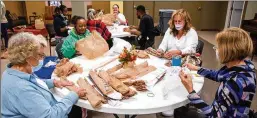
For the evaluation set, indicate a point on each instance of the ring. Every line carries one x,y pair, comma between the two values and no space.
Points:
150,94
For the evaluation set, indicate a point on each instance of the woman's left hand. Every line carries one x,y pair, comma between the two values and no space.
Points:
186,80
62,83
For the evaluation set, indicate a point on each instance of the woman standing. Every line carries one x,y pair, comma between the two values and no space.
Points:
4,25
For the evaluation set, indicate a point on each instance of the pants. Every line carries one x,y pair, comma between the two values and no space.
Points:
144,43
4,33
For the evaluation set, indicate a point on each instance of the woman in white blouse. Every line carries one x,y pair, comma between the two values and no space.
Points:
121,20
180,38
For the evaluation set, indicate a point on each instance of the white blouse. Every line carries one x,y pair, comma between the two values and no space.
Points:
121,17
186,44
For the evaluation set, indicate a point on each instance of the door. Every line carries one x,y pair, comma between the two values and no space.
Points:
194,8
149,8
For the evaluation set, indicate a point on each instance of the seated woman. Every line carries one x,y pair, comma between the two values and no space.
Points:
25,95
97,25
120,18
180,38
68,49
60,21
237,77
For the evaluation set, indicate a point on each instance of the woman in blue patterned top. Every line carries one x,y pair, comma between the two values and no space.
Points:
237,77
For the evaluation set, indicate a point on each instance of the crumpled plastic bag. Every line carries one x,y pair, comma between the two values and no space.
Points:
92,46
118,46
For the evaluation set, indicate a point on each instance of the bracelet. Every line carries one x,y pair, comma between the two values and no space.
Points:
192,92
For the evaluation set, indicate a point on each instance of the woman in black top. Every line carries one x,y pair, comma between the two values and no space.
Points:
60,21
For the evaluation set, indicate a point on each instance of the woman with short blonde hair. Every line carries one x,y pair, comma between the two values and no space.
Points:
23,93
238,78
180,38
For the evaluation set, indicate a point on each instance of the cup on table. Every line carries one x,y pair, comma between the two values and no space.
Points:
176,60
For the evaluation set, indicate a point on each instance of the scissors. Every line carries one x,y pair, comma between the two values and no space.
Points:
151,94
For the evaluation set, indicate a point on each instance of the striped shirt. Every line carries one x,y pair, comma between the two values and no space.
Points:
234,95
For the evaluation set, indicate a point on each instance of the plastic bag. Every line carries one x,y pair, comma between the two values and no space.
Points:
92,46
118,46
39,24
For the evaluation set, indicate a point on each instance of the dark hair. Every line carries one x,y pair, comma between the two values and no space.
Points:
141,8
62,7
57,10
116,5
75,19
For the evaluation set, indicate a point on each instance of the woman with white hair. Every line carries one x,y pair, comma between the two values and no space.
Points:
98,25
25,95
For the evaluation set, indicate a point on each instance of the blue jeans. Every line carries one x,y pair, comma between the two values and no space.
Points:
4,28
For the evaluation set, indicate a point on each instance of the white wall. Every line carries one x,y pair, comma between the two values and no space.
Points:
251,10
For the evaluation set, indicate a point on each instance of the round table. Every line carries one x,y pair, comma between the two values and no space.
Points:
168,93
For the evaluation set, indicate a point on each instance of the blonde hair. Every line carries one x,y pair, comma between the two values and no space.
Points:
185,16
233,44
22,46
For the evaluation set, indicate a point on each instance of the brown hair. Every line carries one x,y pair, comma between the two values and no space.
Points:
233,44
185,16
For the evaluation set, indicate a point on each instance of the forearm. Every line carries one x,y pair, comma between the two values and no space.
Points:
210,74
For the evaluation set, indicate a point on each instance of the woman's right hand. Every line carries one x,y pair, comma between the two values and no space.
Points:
80,91
191,67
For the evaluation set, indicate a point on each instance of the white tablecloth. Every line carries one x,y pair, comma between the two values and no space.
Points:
140,103
118,31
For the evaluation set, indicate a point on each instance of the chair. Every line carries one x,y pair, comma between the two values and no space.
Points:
51,32
199,48
58,49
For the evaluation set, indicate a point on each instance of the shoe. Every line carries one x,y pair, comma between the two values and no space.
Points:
167,113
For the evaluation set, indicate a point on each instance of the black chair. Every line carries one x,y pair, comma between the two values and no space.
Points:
58,49
199,48
51,33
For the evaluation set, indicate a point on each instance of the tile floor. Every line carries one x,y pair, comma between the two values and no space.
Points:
209,88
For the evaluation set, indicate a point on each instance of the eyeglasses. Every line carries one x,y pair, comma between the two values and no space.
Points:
215,47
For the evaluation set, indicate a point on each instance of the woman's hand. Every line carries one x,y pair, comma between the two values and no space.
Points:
62,83
191,67
126,30
160,51
80,91
168,54
186,80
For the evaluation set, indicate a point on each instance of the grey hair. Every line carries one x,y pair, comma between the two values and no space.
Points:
42,40
91,14
22,46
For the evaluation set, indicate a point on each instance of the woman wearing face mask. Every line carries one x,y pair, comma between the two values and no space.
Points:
180,38
26,96
60,21
237,77
121,20
68,48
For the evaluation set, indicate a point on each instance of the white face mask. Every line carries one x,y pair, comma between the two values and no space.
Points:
179,26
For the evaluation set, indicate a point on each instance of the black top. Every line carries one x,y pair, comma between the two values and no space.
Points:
146,27
60,22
